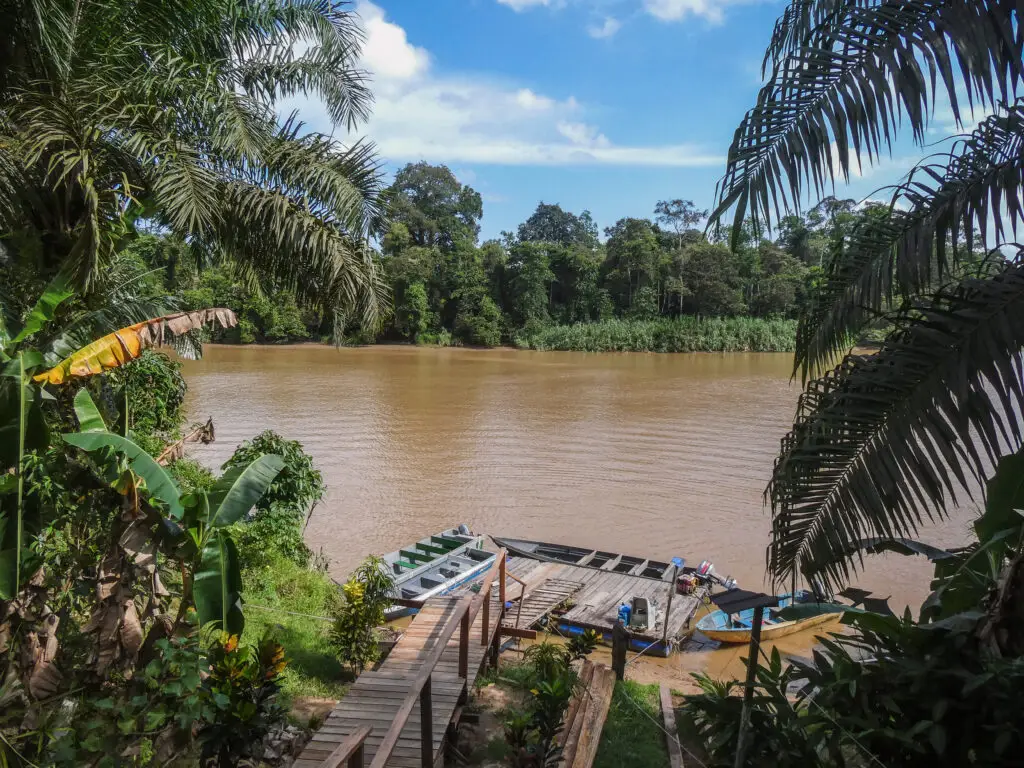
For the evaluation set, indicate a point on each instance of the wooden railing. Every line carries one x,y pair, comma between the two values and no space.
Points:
466,610
350,752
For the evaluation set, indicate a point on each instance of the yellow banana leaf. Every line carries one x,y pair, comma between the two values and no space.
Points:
124,345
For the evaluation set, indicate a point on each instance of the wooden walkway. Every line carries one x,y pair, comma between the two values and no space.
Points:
539,601
376,698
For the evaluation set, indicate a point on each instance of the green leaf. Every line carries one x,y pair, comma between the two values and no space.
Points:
235,493
217,587
89,418
31,359
158,482
56,293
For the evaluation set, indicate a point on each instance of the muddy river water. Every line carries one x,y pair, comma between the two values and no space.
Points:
653,455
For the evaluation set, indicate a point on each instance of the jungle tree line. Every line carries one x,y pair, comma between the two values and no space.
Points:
555,269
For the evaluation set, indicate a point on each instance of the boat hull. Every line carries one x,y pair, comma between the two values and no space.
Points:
769,631
398,611
587,558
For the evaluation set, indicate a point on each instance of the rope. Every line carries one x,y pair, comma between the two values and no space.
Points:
282,610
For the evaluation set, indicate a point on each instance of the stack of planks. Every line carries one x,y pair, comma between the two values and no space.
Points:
585,718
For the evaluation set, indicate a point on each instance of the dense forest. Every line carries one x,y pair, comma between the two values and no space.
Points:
659,284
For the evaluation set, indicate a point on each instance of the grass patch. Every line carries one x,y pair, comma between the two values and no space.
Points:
518,675
631,737
313,667
683,334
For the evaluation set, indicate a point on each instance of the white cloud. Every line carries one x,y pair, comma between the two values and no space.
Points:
610,26
532,102
387,51
522,5
465,118
677,10
583,135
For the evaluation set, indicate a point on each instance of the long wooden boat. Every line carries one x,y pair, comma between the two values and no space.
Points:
436,565
588,558
790,617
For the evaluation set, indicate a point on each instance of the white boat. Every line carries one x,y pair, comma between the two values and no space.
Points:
436,565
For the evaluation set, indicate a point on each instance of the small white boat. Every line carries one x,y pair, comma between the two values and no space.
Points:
436,565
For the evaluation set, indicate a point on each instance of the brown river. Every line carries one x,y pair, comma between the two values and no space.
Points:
646,454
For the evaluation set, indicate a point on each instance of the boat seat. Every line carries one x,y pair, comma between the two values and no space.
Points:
448,573
406,564
409,594
430,583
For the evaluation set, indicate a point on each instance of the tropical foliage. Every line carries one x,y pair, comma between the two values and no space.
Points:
885,442
365,597
552,274
278,519
112,111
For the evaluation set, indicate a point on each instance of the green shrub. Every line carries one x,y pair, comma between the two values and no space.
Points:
365,597
276,524
191,476
155,392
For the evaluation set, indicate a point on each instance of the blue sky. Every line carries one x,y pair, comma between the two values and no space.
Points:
606,105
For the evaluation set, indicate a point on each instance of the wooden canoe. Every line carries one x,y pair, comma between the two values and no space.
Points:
792,618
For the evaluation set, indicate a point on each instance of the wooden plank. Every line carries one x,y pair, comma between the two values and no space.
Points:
668,714
602,686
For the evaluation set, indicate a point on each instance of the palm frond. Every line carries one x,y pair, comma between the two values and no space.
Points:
852,82
884,441
265,230
916,243
793,29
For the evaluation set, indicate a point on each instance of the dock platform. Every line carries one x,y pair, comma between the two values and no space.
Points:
595,601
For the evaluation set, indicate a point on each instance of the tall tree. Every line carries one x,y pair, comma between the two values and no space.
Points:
434,206
679,216
550,224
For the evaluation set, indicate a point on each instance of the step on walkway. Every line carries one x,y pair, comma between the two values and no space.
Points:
375,697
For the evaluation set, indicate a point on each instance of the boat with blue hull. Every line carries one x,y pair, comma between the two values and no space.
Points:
791,616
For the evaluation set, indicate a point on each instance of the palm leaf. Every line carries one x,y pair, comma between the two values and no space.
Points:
852,81
884,441
126,344
918,240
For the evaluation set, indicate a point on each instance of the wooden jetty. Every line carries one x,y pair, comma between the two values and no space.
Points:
400,715
596,600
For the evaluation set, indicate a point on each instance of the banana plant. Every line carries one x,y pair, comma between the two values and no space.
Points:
25,370
196,528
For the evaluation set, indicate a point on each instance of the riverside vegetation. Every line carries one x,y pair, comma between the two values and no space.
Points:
125,638
652,285
882,443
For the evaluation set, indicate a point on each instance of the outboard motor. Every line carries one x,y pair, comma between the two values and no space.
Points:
464,529
730,583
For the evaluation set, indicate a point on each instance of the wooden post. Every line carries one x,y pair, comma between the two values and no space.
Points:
356,761
668,715
464,646
748,694
426,727
671,594
501,582
620,644
485,623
